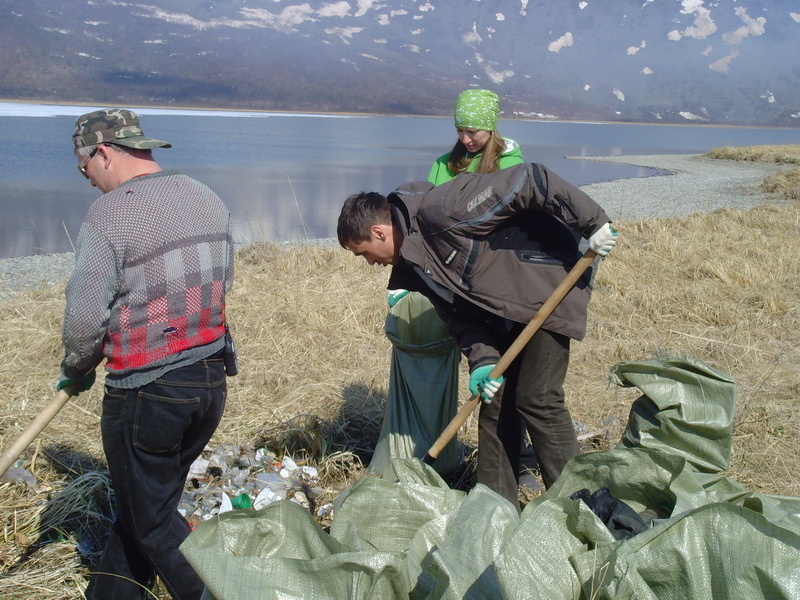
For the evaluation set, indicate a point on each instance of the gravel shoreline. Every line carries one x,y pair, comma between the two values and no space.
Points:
694,184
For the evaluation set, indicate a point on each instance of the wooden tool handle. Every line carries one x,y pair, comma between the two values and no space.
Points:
516,347
35,428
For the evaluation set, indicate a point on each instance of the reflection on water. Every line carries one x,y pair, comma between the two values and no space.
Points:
285,177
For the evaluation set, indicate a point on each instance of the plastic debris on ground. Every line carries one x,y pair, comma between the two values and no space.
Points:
19,475
232,477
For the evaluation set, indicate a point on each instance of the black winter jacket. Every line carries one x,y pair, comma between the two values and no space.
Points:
490,248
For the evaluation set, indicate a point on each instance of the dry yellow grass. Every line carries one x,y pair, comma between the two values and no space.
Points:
723,288
785,183
789,154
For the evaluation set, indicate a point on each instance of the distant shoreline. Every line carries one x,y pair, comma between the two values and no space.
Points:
89,105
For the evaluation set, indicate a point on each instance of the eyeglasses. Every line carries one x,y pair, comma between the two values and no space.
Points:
84,164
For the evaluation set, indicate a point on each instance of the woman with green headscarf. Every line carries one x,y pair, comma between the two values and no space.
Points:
423,388
479,148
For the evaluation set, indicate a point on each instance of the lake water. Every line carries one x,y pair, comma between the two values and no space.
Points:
285,176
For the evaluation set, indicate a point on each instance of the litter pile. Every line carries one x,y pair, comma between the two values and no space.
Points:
237,477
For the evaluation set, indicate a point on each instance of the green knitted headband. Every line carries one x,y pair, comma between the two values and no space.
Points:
477,109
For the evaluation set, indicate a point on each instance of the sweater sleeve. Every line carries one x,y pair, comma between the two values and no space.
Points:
89,295
230,260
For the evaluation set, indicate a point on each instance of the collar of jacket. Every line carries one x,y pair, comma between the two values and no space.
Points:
405,202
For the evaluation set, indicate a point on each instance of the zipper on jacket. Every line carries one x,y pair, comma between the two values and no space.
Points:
563,203
472,258
539,258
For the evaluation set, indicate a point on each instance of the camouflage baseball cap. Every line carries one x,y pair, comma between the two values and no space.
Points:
113,126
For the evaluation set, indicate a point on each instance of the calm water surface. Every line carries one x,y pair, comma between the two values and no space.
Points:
285,176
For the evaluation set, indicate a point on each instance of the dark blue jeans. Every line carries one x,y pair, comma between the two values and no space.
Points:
151,436
532,398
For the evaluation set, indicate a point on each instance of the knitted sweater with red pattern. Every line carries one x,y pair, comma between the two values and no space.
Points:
153,262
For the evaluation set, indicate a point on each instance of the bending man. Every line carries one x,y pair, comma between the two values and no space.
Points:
488,250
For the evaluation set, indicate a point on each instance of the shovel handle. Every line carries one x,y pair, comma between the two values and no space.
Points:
35,428
516,347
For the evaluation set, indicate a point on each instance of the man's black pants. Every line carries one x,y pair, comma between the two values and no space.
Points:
151,436
532,397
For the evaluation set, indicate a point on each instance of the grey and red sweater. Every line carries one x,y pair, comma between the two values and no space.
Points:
153,262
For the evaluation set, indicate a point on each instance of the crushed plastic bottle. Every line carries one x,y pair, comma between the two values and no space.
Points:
232,477
19,475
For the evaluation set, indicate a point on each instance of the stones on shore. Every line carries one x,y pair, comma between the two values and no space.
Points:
30,272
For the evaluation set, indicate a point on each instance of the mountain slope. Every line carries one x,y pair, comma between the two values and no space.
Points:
670,61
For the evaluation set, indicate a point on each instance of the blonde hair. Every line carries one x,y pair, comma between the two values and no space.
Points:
489,156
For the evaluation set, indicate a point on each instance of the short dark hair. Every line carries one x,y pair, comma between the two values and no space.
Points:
360,212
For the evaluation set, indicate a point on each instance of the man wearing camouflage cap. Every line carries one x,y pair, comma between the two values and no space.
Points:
153,263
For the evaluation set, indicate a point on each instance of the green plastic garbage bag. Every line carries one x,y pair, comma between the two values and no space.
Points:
361,510
687,409
415,538
715,551
281,552
390,540
423,387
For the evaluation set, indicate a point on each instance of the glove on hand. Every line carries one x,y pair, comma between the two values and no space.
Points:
479,380
603,240
81,384
395,296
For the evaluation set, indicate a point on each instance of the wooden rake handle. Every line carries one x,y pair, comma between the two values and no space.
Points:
516,347
35,428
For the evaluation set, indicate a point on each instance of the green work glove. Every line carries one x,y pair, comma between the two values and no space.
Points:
80,384
479,381
395,296
603,240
